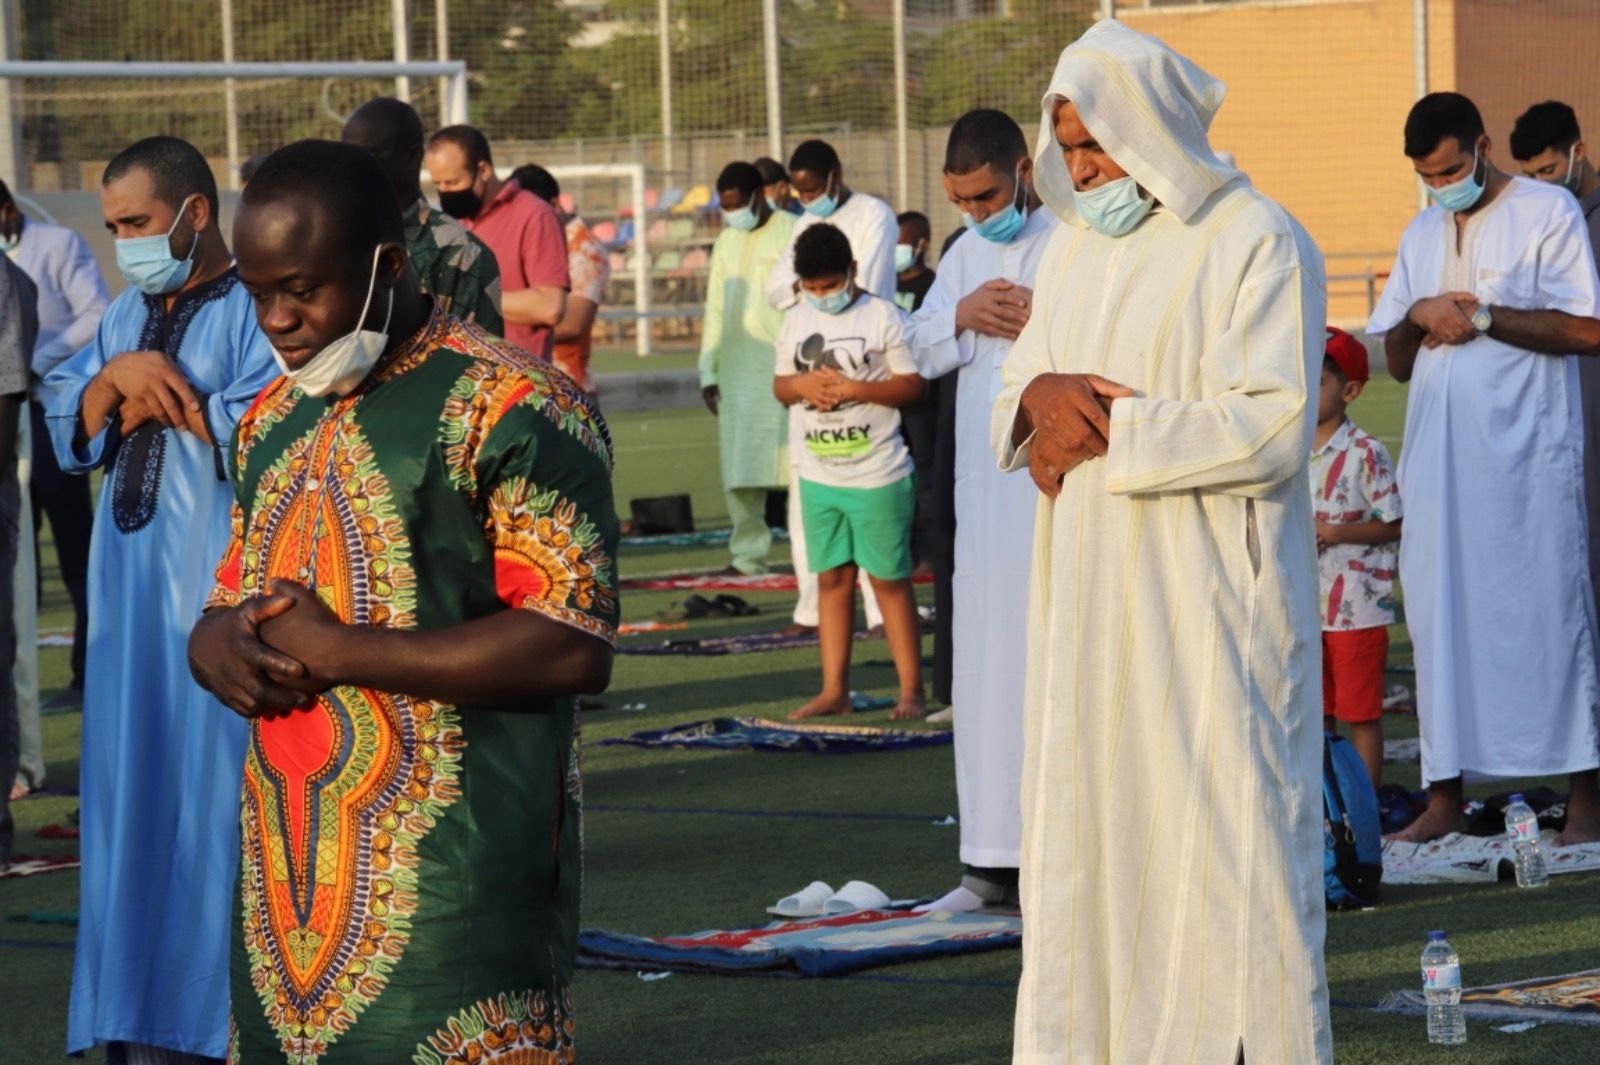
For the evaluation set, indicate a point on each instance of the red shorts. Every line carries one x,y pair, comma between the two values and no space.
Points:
1353,664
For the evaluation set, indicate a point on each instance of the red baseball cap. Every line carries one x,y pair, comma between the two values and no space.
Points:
1347,353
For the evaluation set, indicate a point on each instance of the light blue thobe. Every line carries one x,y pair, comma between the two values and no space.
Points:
161,758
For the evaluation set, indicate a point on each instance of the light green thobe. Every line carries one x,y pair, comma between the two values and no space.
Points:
736,355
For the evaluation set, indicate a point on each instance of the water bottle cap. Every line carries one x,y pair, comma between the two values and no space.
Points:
1516,797
1436,936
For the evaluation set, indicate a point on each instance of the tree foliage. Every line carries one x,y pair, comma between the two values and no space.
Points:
533,72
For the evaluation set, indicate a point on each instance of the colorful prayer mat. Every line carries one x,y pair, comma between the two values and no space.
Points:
760,734
1460,859
22,865
637,628
821,946
742,644
1570,999
766,582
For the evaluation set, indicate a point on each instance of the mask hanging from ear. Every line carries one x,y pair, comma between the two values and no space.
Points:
344,363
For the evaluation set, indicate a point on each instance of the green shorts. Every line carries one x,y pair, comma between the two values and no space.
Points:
870,527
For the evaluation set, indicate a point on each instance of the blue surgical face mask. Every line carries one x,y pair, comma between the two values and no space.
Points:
1460,195
1002,227
147,263
826,204
744,219
833,302
10,244
1114,209
905,257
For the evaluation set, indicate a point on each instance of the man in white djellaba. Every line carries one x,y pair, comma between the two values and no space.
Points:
1493,292
1159,397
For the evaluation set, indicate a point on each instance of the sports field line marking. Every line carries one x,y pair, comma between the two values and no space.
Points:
687,445
803,815
931,981
36,944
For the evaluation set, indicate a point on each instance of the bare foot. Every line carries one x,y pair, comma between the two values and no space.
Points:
911,708
19,790
1583,812
1432,825
1583,826
823,706
798,629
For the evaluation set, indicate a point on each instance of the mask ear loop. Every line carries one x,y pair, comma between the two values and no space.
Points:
193,244
372,286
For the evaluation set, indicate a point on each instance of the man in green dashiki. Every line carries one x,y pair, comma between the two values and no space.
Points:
422,576
452,265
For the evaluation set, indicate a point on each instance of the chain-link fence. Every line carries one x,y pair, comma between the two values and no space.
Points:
1318,90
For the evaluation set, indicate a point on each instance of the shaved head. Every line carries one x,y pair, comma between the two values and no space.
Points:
390,131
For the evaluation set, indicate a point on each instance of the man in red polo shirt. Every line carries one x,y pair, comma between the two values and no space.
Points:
523,231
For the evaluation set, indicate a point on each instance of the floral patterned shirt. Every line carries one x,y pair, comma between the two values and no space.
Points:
589,266
1352,480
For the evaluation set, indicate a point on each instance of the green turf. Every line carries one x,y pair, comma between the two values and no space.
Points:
668,872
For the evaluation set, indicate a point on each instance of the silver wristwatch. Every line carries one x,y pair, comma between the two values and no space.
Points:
1482,320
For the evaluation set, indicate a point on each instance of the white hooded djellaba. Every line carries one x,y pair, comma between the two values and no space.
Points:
1172,849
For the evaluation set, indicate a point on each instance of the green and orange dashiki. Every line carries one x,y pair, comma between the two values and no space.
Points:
409,889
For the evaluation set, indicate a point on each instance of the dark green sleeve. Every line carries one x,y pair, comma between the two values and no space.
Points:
485,302
544,494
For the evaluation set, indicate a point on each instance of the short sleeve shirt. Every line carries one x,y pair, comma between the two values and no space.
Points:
1353,481
530,245
855,445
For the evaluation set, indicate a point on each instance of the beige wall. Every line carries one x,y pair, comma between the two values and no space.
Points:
1511,54
1317,99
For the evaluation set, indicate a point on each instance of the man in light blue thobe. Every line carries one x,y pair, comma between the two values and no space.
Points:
153,400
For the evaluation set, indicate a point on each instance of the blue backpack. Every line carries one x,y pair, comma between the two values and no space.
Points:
1353,856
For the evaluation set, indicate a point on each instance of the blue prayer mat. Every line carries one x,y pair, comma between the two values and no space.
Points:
818,946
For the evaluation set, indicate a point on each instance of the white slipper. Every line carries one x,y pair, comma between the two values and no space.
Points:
856,895
807,902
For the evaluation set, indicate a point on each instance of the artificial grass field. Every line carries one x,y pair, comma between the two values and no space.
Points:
663,872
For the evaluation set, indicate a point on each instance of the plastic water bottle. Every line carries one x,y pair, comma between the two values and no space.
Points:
1522,828
1441,983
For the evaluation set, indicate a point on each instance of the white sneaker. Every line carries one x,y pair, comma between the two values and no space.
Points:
947,716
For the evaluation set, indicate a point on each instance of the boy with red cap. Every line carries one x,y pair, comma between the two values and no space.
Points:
1357,509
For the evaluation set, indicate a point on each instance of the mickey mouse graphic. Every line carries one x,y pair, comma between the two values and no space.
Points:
846,356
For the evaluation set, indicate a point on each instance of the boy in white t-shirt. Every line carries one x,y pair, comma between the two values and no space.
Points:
844,368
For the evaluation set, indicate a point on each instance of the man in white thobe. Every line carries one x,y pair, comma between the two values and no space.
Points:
1159,397
978,304
1490,291
816,177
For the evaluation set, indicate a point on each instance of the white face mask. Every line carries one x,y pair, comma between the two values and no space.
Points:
344,363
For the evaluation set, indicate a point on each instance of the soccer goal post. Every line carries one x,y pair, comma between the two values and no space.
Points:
638,250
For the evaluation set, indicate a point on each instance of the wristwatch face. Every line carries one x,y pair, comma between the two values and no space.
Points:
1481,319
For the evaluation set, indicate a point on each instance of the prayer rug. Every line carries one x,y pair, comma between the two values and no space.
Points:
742,644
820,946
637,628
766,582
22,865
760,734
1461,859
1403,752
58,832
1570,999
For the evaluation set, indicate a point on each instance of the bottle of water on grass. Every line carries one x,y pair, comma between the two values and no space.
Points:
1441,983
1522,828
